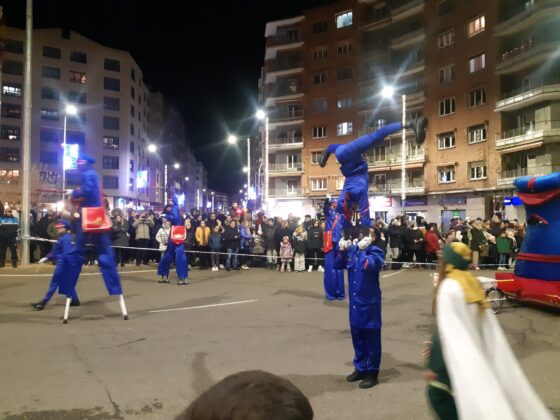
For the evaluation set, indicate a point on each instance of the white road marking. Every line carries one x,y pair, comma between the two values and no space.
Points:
204,306
392,274
81,274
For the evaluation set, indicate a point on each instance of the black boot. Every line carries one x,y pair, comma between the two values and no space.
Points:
40,305
324,158
347,233
369,380
75,302
355,376
419,126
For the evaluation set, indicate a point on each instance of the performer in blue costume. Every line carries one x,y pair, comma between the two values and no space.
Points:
173,250
355,170
68,260
89,195
364,262
333,278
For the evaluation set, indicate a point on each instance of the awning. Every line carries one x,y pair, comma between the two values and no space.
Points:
522,147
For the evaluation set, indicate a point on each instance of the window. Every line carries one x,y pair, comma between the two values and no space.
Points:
446,106
111,104
76,137
320,26
445,7
50,135
132,74
132,113
12,67
48,157
319,78
9,177
110,182
319,132
132,92
379,154
476,26
344,47
344,102
339,182
110,162
316,157
111,123
77,97
11,89
318,184
50,72
476,63
320,52
446,174
131,165
477,170
11,110
9,154
49,93
78,57
10,132
131,128
477,134
344,73
380,182
446,39
131,147
477,97
77,77
111,143
110,83
344,128
112,65
50,114
51,52
446,140
343,19
319,105
13,46
447,73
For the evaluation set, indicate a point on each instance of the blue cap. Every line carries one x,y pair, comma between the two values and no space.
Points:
84,158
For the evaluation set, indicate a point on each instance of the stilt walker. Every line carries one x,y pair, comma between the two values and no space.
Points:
175,246
333,278
355,170
94,231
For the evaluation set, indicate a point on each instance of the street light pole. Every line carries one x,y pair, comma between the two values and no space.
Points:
248,162
266,163
403,154
165,185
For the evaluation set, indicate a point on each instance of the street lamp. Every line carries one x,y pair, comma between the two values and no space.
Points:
176,165
261,115
232,139
69,110
212,200
388,92
152,148
245,169
186,178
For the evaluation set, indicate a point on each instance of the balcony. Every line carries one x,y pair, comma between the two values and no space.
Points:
375,19
394,160
406,9
285,63
410,38
286,192
284,38
507,177
285,168
526,54
413,68
526,16
538,133
286,115
283,143
395,187
535,92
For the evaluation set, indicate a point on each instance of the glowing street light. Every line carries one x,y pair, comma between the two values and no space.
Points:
232,139
245,169
176,165
186,178
152,148
387,91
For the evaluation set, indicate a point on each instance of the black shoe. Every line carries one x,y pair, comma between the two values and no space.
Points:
369,380
324,158
39,305
75,302
122,264
419,126
355,376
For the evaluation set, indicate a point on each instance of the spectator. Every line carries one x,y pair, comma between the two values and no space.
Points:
142,227
250,395
269,236
119,237
42,231
215,243
162,235
299,242
315,244
246,242
432,245
395,233
202,235
189,239
286,253
9,227
231,242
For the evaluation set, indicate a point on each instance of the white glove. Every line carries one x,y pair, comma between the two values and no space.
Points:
344,244
43,260
364,243
329,196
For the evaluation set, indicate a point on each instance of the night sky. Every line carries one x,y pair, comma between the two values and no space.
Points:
212,82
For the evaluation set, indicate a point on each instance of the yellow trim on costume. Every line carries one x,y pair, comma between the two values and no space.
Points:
441,385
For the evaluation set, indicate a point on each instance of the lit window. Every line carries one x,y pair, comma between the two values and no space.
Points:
344,19
446,106
318,184
11,89
446,39
446,140
476,63
446,174
77,77
344,102
477,134
477,170
10,132
476,26
110,142
344,128
9,154
50,114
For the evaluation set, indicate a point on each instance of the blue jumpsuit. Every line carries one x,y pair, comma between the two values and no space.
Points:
69,262
364,295
174,251
355,169
90,193
333,279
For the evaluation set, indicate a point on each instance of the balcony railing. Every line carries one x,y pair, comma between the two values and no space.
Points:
533,88
402,7
283,39
517,16
285,167
286,192
532,132
395,187
286,115
286,64
520,55
508,177
396,158
284,142
286,91
376,16
408,38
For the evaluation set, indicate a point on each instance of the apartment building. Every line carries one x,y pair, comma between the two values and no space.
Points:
118,118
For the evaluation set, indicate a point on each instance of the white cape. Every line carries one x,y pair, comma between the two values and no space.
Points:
486,378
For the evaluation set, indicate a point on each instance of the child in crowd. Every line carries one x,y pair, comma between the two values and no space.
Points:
300,249
286,253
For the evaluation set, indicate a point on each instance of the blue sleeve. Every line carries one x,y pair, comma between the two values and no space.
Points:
374,259
340,260
244,233
58,249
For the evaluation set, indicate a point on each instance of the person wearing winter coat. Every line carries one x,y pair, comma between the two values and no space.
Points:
231,243
315,246
246,243
142,225
299,243
432,245
162,236
269,235
202,235
286,253
395,233
9,226
215,243
119,238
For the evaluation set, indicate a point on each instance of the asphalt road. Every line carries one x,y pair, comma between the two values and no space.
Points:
151,366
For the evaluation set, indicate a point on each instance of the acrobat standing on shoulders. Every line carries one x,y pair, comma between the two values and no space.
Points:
175,246
355,170
333,278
